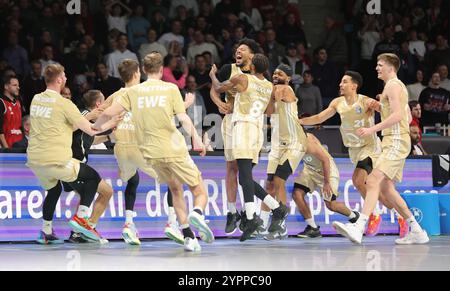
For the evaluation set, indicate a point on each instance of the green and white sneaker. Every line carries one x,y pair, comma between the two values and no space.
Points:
173,232
199,222
130,234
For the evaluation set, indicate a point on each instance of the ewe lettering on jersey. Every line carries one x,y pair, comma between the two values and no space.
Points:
41,111
152,101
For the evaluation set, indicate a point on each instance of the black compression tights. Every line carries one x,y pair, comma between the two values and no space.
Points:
50,201
130,192
169,198
87,184
249,186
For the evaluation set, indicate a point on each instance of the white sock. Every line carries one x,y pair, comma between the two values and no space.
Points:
311,222
47,227
362,221
172,216
265,215
83,211
271,202
413,224
232,207
250,210
129,217
352,215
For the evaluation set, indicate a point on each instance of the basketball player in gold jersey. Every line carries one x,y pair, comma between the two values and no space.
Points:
355,112
396,146
129,157
245,51
53,120
154,104
319,173
288,144
253,96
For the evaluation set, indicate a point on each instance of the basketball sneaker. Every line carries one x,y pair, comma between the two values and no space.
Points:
373,226
173,232
130,234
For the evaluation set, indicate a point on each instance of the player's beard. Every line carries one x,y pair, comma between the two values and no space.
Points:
243,64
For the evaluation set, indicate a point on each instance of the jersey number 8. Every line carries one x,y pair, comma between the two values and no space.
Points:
257,109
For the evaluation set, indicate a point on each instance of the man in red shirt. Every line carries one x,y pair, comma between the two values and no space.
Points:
10,114
416,112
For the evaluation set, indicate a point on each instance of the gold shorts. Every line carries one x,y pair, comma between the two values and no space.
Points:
227,136
372,151
314,181
272,164
393,157
130,159
183,169
247,141
278,156
49,175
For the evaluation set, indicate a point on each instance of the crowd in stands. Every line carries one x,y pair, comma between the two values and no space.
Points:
194,34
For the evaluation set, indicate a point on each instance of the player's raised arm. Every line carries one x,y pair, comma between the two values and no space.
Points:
238,82
321,117
393,91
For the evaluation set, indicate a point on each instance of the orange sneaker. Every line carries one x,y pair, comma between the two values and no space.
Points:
374,225
81,225
404,228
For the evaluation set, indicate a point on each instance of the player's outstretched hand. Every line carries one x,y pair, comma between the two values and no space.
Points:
374,105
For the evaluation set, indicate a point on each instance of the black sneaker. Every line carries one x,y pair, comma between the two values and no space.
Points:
310,232
250,227
232,221
243,221
76,238
354,220
278,217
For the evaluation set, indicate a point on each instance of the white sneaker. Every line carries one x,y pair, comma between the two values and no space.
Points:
414,238
130,234
198,221
192,245
350,231
173,232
